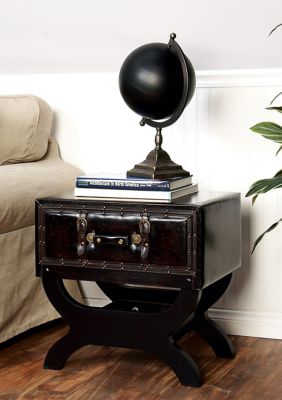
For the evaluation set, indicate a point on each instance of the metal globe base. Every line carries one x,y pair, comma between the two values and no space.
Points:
158,164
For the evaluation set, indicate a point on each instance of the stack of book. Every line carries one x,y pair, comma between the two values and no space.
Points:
118,187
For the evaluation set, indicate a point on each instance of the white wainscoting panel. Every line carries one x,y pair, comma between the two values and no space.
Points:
98,132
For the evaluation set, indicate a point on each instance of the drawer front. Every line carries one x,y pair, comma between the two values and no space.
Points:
127,240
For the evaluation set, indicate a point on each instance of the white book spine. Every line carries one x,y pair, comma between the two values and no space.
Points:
137,194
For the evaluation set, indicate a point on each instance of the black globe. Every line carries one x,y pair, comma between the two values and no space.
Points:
151,81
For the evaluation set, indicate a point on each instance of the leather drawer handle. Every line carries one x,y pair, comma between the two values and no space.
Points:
101,240
137,242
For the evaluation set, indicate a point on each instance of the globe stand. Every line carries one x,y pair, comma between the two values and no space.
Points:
158,164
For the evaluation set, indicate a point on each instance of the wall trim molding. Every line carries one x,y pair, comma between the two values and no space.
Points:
249,323
239,78
205,78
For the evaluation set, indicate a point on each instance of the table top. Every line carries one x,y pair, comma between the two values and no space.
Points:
198,199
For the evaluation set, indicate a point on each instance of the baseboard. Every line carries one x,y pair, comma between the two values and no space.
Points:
249,323
244,323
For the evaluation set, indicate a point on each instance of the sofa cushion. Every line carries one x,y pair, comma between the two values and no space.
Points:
25,126
21,184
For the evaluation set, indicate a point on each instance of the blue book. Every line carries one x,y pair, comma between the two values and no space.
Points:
121,182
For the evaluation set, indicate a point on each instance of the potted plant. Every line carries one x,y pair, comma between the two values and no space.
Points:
271,131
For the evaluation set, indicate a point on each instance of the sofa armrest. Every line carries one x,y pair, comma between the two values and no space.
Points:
21,184
53,150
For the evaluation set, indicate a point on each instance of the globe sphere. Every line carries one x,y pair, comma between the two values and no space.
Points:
151,81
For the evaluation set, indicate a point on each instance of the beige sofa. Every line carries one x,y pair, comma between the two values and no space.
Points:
30,168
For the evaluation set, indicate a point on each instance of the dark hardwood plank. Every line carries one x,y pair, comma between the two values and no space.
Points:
105,373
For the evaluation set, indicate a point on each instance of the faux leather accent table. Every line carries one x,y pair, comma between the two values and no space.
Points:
162,266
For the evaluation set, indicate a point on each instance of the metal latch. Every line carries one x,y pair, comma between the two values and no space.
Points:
81,227
140,241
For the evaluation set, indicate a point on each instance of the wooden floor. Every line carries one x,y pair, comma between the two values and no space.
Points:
102,373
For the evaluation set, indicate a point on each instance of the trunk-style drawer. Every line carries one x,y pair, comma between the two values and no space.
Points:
114,238
187,244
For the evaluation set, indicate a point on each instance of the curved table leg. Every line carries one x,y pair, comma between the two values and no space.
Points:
213,292
70,310
204,326
214,336
151,331
180,313
61,351
208,329
180,362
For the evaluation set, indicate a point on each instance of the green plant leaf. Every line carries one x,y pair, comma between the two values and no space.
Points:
269,130
280,148
254,199
279,109
275,97
279,173
265,185
273,226
274,29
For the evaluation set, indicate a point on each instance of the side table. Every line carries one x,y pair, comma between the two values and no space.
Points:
162,266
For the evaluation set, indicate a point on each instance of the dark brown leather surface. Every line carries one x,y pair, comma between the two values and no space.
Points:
167,239
192,242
